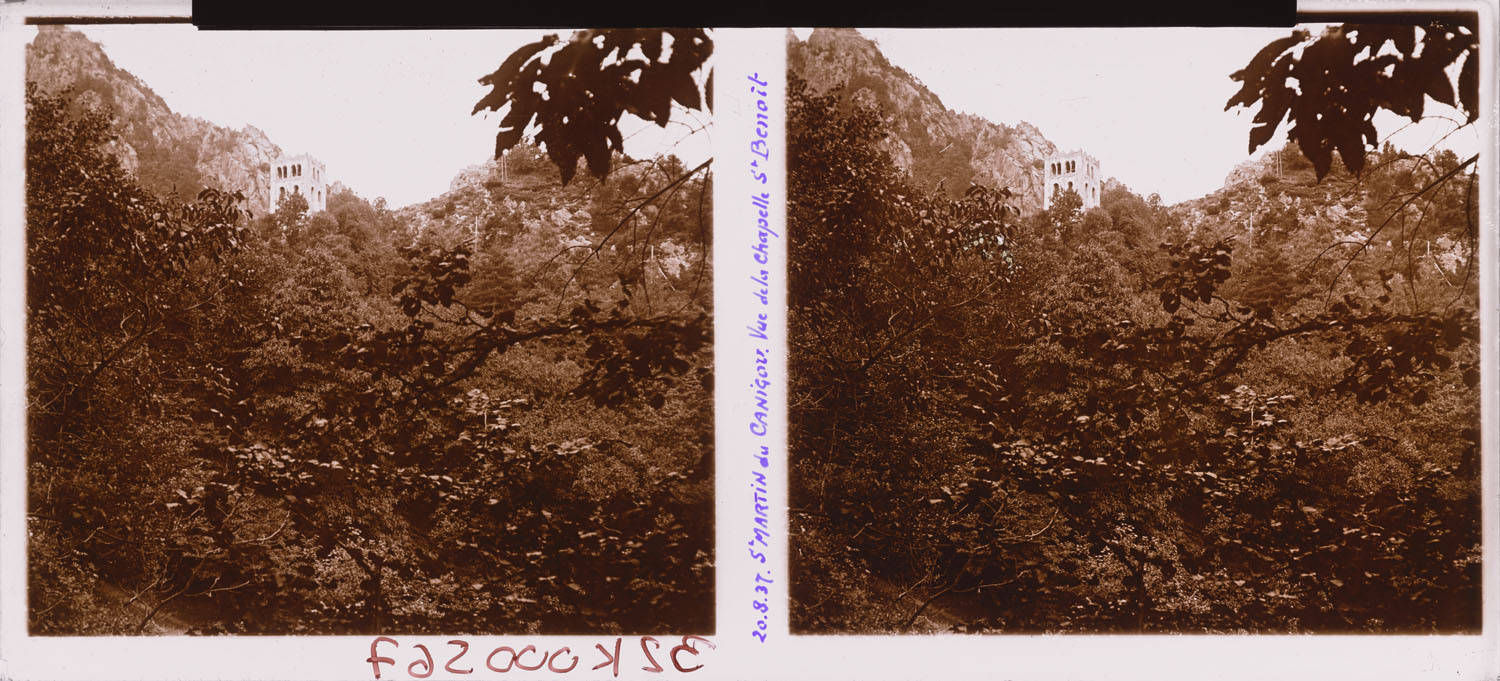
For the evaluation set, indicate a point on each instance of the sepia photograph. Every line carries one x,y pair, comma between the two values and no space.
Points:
1124,331
375,333
1100,343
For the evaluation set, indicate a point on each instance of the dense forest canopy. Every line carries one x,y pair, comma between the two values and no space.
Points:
1254,412
360,420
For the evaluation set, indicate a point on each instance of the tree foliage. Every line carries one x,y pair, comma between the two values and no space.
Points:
576,91
1139,418
1348,73
329,424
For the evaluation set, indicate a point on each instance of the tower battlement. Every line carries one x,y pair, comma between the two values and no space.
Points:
300,174
1073,170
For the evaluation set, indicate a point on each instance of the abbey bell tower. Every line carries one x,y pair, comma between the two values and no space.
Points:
301,174
1073,170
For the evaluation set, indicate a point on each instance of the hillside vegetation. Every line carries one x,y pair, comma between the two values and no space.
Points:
166,152
455,418
935,146
1253,412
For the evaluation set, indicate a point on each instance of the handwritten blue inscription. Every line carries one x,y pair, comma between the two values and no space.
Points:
760,332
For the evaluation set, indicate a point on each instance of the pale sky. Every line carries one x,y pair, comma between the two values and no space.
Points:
386,111
1148,103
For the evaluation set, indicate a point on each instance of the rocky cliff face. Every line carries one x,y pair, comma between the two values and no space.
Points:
927,140
164,149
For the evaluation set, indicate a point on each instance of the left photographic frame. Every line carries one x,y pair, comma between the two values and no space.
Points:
354,334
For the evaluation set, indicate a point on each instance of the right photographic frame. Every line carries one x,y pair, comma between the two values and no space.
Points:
1140,331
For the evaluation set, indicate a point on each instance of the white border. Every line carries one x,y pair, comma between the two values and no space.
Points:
1248,657
737,656
739,55
184,657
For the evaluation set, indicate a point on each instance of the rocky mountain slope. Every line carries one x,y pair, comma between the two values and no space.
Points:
480,203
166,150
929,141
1276,202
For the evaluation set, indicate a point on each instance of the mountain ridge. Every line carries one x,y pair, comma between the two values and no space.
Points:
166,150
926,139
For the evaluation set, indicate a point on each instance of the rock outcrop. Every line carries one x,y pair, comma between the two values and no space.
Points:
927,140
167,151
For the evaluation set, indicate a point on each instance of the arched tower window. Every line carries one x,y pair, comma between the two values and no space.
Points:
1070,186
296,189
1054,189
281,195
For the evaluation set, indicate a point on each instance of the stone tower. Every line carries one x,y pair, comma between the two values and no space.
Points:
1072,170
301,174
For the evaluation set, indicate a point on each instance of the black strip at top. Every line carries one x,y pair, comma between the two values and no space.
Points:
48,20
287,14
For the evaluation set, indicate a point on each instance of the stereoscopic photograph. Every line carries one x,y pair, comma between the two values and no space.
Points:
1136,330
368,332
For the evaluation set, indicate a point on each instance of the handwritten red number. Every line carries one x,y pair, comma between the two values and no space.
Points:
463,647
552,661
687,645
426,663
529,649
655,666
490,661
